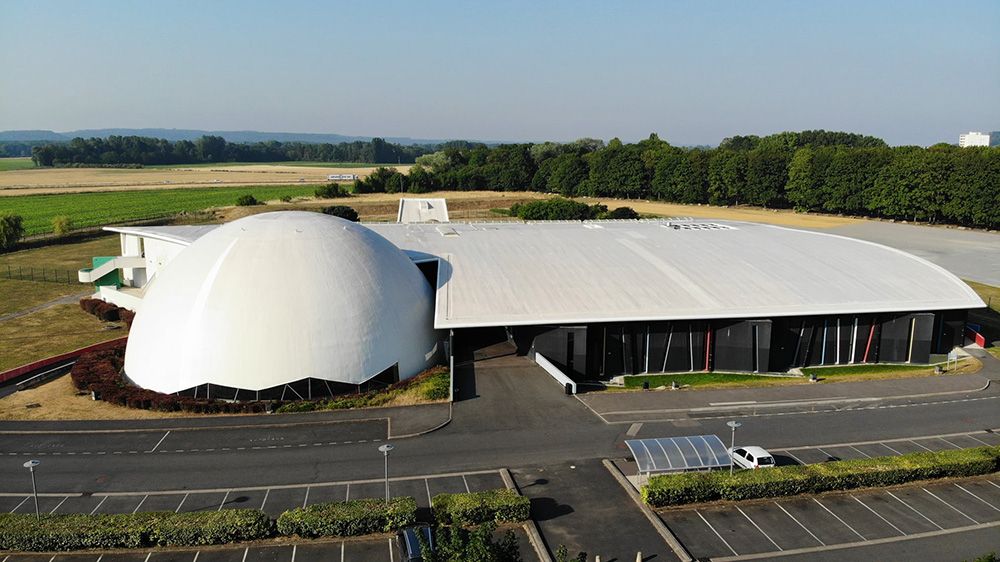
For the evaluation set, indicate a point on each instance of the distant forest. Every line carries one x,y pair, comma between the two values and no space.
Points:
132,151
831,172
820,171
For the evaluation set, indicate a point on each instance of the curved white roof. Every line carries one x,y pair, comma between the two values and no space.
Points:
278,297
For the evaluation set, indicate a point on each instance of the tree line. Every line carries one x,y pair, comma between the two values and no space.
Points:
144,151
816,171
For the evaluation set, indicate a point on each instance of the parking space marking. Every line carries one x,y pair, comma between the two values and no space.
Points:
20,504
891,449
158,442
758,528
900,531
347,496
994,483
914,510
306,499
245,552
866,455
294,547
223,503
919,445
948,442
837,517
266,492
959,511
980,440
797,459
995,508
427,486
60,503
178,510
467,490
342,548
104,499
800,524
148,556
716,533
143,500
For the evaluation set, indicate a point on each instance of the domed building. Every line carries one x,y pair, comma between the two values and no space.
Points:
283,304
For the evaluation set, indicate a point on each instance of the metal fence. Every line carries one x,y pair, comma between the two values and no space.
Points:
43,274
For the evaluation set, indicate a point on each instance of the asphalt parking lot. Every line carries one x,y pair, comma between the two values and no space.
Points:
857,517
272,501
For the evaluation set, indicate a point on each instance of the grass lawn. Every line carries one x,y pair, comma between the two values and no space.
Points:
21,295
71,256
704,380
15,164
49,332
987,318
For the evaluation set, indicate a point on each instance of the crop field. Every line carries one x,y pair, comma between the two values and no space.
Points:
289,163
74,180
98,209
15,164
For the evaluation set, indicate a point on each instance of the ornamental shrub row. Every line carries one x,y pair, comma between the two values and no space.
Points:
108,312
80,531
349,518
480,507
695,487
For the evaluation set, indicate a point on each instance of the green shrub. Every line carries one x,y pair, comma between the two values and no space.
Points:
212,527
134,530
247,200
61,225
348,519
285,199
480,507
342,211
679,489
11,229
332,191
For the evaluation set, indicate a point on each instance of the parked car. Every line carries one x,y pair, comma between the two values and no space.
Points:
409,545
751,457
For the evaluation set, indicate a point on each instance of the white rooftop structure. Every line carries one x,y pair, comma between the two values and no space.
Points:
976,138
509,274
422,210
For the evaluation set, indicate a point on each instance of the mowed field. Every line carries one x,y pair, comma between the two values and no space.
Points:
74,180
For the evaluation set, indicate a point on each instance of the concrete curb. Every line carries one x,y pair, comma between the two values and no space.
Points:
657,523
419,433
530,527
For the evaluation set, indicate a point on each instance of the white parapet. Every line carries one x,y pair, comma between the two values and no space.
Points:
555,372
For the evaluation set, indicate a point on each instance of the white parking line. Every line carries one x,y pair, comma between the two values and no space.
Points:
980,440
20,504
347,496
900,531
467,490
306,499
392,557
148,556
266,492
245,552
797,459
994,483
58,506
948,442
224,498
995,508
716,533
959,511
891,449
828,455
342,549
427,486
800,524
195,559
839,519
99,505
143,500
178,510
759,529
158,442
921,446
866,455
293,552
915,511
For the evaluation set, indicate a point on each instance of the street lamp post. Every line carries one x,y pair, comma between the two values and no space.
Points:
30,465
385,451
732,444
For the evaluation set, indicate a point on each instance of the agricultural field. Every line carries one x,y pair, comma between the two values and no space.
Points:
99,209
16,164
73,180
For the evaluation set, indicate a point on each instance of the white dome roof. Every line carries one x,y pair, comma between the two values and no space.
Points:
279,297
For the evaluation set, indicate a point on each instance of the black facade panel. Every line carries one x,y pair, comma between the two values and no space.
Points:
923,332
658,335
784,341
733,349
894,343
678,357
762,344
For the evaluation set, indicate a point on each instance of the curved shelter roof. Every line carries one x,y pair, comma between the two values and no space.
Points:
278,297
504,274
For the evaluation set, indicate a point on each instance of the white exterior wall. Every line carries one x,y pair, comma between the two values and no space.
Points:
973,139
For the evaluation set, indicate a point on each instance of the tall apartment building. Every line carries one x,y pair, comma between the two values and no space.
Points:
976,138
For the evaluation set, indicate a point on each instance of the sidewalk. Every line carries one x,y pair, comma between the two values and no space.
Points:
666,401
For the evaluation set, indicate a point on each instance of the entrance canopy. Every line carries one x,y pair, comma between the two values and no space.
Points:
674,454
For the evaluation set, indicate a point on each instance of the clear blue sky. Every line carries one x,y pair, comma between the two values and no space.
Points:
693,72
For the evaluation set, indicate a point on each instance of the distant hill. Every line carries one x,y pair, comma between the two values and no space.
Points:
174,135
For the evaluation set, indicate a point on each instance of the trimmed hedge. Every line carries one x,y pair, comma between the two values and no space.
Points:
348,519
108,312
480,507
695,487
136,530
